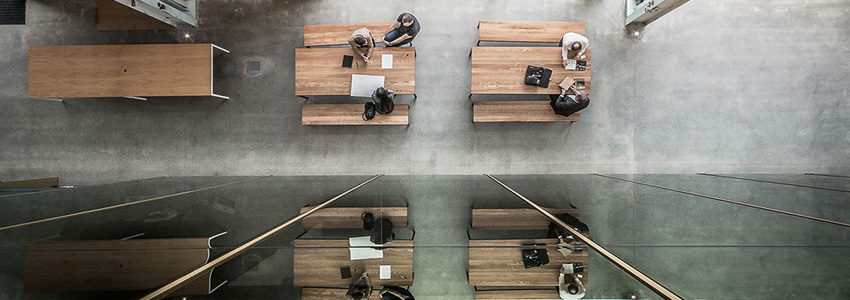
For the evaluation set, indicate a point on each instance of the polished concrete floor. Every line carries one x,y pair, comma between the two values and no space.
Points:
716,86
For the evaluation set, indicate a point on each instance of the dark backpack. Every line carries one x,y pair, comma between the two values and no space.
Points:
575,223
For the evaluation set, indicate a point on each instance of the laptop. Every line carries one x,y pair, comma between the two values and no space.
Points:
576,65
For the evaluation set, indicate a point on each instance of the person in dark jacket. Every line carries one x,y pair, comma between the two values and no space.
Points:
360,289
383,99
396,293
566,105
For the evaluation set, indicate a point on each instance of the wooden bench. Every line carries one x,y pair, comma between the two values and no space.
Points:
501,70
526,31
350,114
516,294
330,293
518,111
499,263
515,219
319,71
337,34
349,217
317,263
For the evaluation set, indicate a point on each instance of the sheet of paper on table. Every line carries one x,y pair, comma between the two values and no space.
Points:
386,272
364,85
386,61
361,249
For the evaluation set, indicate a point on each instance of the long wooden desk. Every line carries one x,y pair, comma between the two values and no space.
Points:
317,263
526,31
350,217
351,114
501,70
332,293
109,265
121,71
319,71
499,263
518,111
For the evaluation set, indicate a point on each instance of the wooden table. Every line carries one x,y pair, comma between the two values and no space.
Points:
351,114
499,263
526,31
350,217
319,71
501,70
121,71
317,263
515,218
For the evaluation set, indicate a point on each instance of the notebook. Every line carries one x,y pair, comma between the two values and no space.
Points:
347,60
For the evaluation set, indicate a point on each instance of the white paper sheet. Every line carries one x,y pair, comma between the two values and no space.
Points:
364,85
386,272
363,251
387,61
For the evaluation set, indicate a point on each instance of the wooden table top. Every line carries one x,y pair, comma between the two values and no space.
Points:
496,263
526,31
317,263
501,70
120,70
319,71
351,114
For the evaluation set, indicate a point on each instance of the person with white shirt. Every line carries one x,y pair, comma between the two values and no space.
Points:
572,290
573,42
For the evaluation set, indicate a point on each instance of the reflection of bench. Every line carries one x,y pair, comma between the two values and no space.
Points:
349,217
525,31
516,294
515,218
330,293
111,265
337,34
499,263
317,263
517,111
350,114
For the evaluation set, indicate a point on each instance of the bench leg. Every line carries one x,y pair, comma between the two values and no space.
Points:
305,97
414,97
470,96
479,43
306,46
51,99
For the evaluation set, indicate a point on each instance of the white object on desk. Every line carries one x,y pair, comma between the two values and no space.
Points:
385,272
386,61
361,249
364,85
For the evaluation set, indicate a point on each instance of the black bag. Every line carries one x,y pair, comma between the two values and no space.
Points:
575,223
534,257
370,111
537,76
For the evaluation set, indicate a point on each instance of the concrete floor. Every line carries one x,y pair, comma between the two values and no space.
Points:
717,86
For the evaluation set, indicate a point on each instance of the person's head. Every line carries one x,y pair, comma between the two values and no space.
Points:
581,97
407,20
573,289
360,40
358,295
381,92
575,46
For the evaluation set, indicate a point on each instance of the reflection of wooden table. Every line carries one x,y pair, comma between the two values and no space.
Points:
317,263
501,70
515,218
499,263
517,294
121,71
350,217
526,31
337,34
319,71
330,293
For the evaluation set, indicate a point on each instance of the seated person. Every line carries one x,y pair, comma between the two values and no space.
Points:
383,99
571,290
396,293
362,42
573,42
402,31
360,289
566,105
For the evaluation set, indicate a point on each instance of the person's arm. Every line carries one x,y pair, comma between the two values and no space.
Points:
354,46
562,289
400,39
370,45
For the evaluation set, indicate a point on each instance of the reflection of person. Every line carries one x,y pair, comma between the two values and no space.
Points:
573,42
362,42
571,290
566,105
396,293
360,289
402,31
